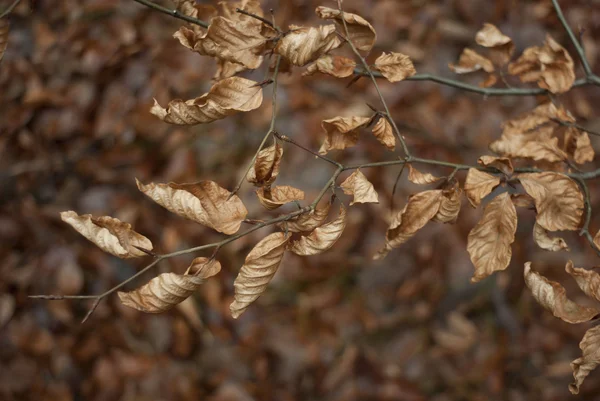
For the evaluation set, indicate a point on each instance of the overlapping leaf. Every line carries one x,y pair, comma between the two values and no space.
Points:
417,177
274,197
502,164
301,45
589,360
500,46
545,241
321,238
395,67
361,33
579,145
471,61
307,221
384,133
265,169
478,185
204,202
360,188
336,66
109,234
587,280
449,205
341,132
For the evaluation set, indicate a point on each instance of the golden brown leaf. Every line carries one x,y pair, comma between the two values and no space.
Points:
274,197
544,241
523,200
226,97
109,234
4,29
471,61
502,164
203,267
305,44
558,200
204,202
417,177
478,185
587,280
489,242
336,66
360,188
161,293
537,145
342,132
265,169
384,133
362,34
449,206
589,360
307,221
553,297
227,69
321,238
578,143
259,268
501,46
395,67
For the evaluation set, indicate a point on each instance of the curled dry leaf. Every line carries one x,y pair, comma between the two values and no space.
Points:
274,197
307,221
265,169
502,164
449,206
360,188
489,242
109,234
203,267
259,268
226,97
471,61
204,202
417,177
551,66
342,132
553,297
336,66
558,200
589,360
4,29
544,241
478,185
578,143
395,67
501,46
161,293
587,280
384,133
362,34
305,44
537,145
321,238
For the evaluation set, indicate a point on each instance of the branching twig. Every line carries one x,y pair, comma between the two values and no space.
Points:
290,140
173,13
9,9
258,17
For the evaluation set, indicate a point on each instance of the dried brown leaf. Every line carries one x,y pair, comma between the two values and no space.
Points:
305,44
544,241
384,133
362,34
266,167
578,143
225,98
307,221
449,206
471,61
227,69
558,200
417,177
109,234
499,163
360,188
4,29
161,293
587,280
274,197
204,202
204,267
259,268
553,297
342,132
395,67
321,238
336,66
537,145
478,185
589,360
489,242
501,46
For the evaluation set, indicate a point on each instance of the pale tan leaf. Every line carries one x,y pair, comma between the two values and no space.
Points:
490,36
227,69
395,67
589,360
265,169
502,164
533,119
161,293
384,133
204,202
305,44
489,242
362,34
478,185
225,98
307,221
321,238
336,66
259,268
558,200
417,177
587,280
544,241
471,61
272,198
360,188
537,145
449,206
553,297
578,143
342,132
203,267
109,234
4,29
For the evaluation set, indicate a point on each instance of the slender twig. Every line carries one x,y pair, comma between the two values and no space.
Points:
9,9
173,13
395,186
585,229
574,125
258,17
287,139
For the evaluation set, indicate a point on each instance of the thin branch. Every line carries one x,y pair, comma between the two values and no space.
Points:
258,17
290,140
585,230
173,13
395,186
574,125
9,9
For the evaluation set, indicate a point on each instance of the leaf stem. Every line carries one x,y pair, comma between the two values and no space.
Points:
173,13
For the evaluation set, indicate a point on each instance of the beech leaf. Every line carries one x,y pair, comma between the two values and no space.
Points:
265,169
301,45
360,188
395,67
587,280
341,132
307,221
384,133
471,61
502,164
272,198
478,185
500,46
544,241
362,34
449,206
321,238
336,66
203,267
417,177
589,360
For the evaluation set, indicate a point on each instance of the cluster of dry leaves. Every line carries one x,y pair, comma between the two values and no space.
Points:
534,169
